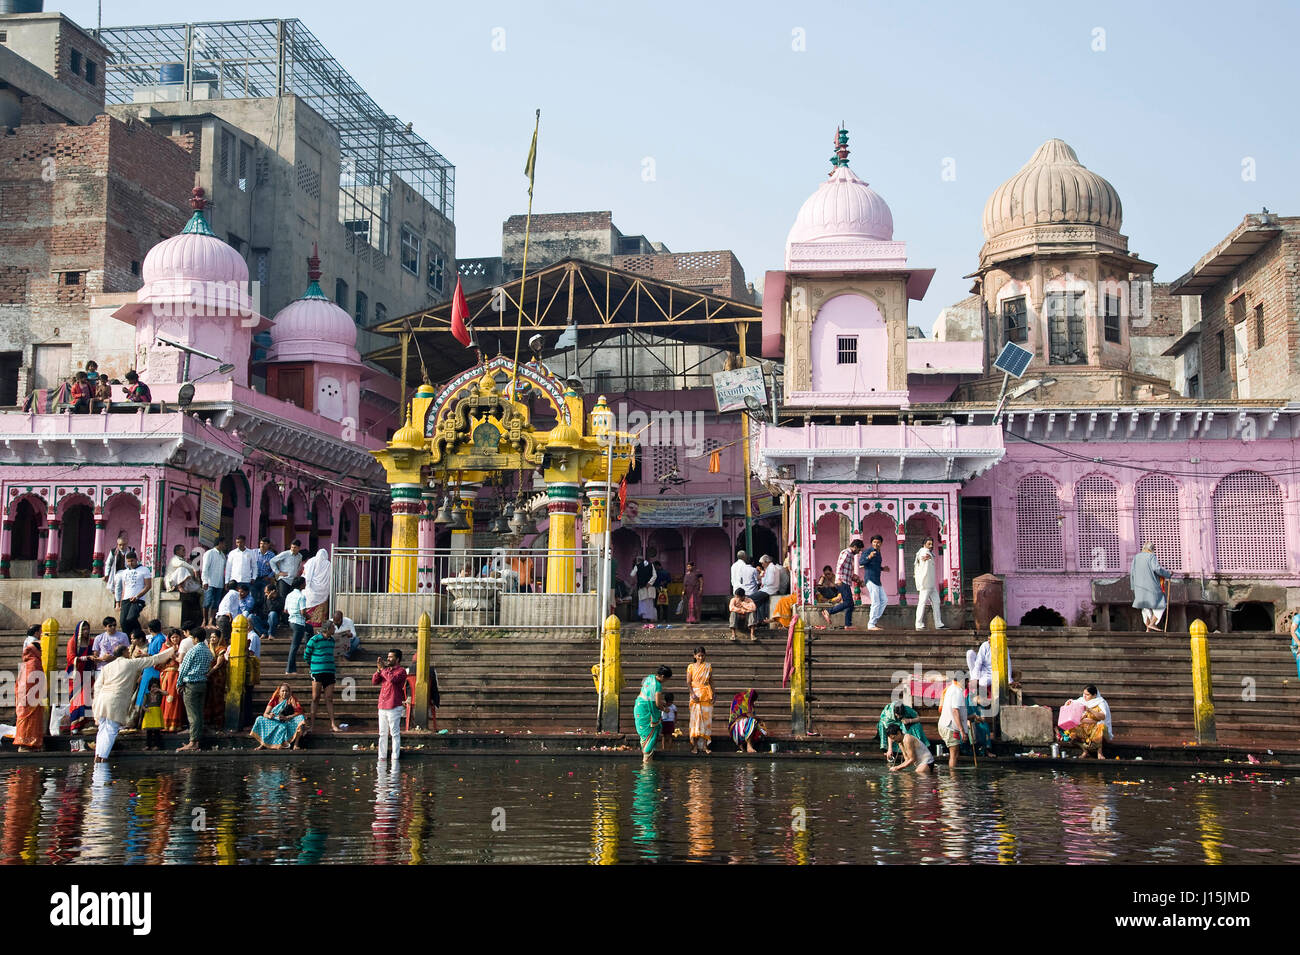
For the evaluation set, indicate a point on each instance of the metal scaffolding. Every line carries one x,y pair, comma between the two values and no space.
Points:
240,59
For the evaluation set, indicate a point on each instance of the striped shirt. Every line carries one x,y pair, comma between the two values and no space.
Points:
320,654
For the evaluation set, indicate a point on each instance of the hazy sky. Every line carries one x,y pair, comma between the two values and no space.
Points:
732,107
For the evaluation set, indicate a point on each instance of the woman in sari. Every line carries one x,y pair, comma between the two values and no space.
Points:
906,717
746,728
81,673
214,704
647,710
1095,727
29,734
317,574
282,722
173,707
699,677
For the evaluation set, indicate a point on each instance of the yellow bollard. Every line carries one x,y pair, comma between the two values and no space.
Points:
799,683
49,659
423,642
998,649
610,676
1202,684
237,678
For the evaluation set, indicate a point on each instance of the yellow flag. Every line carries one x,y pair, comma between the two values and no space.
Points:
530,167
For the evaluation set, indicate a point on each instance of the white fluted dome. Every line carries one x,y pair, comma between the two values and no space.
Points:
196,255
844,207
1053,188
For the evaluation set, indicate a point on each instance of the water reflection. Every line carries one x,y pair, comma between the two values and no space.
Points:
573,810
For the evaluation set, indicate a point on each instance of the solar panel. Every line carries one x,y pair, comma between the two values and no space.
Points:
1013,359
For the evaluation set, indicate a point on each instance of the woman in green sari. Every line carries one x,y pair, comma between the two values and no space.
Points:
647,709
902,714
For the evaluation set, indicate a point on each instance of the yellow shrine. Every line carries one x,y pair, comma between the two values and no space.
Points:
479,425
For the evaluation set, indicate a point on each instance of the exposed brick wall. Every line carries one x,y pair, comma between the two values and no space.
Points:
1271,277
84,199
561,222
718,272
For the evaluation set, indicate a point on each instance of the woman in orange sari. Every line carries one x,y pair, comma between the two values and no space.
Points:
214,705
699,677
173,707
81,674
30,731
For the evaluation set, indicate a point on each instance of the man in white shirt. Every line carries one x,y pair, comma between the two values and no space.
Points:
345,632
241,565
213,574
740,567
236,601
130,585
980,664
769,586
952,718
927,587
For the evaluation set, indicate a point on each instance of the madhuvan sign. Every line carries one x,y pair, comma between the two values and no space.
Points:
730,388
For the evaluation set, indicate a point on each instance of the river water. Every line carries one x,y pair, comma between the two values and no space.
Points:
574,809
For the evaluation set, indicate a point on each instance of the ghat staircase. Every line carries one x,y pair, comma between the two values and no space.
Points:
542,683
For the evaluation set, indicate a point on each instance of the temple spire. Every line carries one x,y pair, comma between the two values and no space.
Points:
313,274
198,224
841,157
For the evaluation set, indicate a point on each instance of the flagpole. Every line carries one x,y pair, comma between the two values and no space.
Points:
523,271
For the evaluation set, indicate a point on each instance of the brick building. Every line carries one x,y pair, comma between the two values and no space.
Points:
1248,289
83,196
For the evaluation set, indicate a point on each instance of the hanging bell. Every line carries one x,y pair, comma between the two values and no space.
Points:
498,525
444,513
519,524
458,521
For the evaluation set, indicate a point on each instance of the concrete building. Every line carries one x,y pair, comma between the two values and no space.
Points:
1245,294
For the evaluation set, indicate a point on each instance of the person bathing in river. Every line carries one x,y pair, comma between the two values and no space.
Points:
915,753
648,709
900,714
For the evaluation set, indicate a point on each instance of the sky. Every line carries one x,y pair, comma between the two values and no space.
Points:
706,125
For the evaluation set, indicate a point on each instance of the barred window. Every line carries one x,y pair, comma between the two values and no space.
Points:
1097,512
1038,525
664,460
410,251
1158,519
1249,528
1065,315
1015,320
847,350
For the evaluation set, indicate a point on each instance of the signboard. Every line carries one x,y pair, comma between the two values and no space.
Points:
363,530
673,512
209,516
730,388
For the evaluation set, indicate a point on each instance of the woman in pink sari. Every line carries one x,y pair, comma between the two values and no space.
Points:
692,590
81,674
30,731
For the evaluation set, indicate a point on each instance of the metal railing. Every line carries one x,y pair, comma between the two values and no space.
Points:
495,588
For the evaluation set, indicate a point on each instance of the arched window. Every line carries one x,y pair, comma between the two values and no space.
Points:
1248,525
1098,521
1158,519
1038,525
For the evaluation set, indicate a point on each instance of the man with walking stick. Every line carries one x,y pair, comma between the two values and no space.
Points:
1148,578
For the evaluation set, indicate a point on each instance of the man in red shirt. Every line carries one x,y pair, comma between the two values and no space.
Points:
390,677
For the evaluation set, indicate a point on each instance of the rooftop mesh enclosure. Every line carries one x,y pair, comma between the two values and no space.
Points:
241,59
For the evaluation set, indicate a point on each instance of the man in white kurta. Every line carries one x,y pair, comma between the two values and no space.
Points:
927,587
115,686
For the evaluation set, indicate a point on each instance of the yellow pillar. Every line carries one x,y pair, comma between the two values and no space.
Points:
596,514
402,570
1202,684
237,678
562,538
609,677
799,683
49,660
420,705
998,646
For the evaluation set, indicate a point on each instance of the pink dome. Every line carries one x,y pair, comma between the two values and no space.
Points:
313,328
843,208
196,255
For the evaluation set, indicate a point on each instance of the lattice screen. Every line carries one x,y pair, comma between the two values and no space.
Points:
665,459
1038,525
1248,525
1097,513
1158,519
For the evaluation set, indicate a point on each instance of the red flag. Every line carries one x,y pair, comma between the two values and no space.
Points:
622,497
460,312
